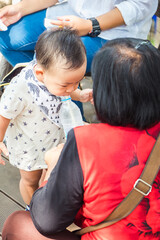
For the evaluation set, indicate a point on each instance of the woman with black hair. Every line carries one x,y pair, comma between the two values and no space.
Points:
100,163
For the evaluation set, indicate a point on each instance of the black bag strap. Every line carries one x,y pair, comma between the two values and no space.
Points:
141,188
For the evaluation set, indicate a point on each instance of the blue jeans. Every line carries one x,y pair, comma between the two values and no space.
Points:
18,42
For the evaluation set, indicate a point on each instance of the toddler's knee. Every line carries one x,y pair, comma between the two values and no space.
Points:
29,183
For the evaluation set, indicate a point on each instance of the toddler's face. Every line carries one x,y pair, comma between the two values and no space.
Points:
62,82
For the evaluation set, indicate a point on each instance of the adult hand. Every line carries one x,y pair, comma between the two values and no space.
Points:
10,14
82,26
51,158
3,150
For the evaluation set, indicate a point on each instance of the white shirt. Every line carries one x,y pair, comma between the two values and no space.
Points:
30,132
137,14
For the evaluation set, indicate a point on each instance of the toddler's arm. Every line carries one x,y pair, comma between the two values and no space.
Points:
4,122
84,95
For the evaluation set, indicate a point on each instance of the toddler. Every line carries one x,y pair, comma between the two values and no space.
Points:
30,105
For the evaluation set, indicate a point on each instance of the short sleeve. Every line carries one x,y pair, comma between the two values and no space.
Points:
134,11
13,99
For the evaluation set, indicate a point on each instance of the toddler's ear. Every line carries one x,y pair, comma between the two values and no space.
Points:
38,70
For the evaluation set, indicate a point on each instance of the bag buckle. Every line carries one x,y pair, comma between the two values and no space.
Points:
147,184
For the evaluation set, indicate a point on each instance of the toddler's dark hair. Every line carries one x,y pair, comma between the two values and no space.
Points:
53,46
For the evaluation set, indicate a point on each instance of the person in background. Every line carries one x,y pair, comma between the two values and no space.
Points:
96,22
30,105
100,163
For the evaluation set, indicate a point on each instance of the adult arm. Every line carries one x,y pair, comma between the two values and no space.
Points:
29,6
125,13
54,206
84,26
12,13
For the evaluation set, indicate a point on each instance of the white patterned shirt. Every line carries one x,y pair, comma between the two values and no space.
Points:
30,132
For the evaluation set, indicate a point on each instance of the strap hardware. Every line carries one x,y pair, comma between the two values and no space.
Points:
147,184
129,203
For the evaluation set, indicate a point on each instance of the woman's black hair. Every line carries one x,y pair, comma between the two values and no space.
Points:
126,83
53,46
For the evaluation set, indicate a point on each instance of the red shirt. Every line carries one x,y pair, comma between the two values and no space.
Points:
112,159
96,170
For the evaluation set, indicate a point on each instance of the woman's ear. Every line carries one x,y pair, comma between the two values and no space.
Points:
39,72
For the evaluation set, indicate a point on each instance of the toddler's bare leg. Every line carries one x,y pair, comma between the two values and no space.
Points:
29,183
42,176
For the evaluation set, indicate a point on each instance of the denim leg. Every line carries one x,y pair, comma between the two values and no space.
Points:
18,42
92,45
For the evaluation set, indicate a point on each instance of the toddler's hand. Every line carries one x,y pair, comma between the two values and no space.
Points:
86,95
3,150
